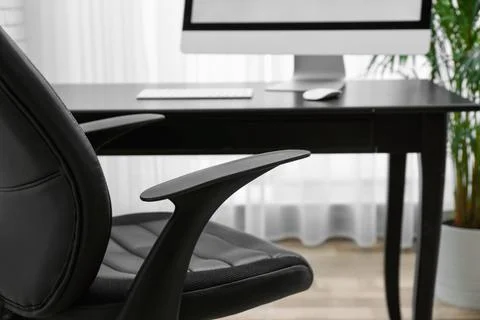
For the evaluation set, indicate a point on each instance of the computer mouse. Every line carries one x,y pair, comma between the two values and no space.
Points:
320,94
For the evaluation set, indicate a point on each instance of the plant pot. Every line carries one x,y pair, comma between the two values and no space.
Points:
458,277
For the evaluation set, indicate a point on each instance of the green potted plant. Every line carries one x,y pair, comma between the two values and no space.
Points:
454,62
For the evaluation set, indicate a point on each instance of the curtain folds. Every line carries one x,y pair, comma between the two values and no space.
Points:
113,41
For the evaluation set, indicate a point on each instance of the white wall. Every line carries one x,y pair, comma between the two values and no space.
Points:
12,19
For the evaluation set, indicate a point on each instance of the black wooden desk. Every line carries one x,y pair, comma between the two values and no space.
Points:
394,117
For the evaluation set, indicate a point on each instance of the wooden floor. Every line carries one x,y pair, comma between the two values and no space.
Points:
348,285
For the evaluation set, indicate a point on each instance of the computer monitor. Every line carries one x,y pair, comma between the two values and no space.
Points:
317,32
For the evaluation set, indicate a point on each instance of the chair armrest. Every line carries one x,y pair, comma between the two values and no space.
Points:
217,174
158,287
101,132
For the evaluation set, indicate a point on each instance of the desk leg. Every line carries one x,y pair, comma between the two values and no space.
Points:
396,191
433,157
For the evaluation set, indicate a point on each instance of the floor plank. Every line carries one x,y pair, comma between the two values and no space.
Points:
348,285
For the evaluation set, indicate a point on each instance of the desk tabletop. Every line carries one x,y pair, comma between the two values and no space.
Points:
362,96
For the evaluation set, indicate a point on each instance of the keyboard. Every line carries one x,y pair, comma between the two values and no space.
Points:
196,93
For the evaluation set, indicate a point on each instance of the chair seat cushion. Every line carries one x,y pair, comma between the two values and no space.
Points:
229,272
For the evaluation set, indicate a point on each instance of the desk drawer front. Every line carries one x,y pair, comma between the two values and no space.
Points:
212,135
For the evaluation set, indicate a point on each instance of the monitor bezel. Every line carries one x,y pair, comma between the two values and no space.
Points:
423,23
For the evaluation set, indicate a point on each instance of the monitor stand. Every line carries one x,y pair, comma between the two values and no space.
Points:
312,72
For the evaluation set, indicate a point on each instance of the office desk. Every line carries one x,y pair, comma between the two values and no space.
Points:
394,117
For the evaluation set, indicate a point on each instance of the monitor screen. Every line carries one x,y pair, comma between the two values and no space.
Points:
307,27
306,14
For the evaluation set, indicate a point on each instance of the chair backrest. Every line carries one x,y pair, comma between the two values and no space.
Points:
55,214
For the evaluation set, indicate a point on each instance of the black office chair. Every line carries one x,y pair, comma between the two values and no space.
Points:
62,256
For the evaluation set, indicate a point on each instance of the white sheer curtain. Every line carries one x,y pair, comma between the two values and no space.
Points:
98,41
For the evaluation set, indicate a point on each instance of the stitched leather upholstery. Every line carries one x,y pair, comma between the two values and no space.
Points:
55,224
54,204
229,272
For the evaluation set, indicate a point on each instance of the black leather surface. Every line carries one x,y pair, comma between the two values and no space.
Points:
225,171
229,272
54,204
101,132
55,223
